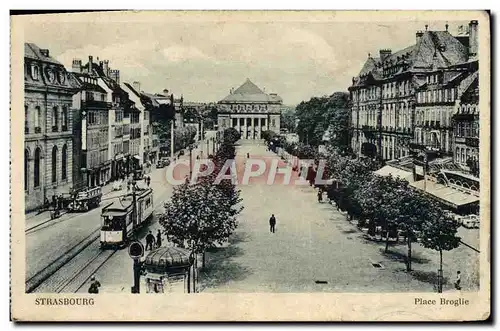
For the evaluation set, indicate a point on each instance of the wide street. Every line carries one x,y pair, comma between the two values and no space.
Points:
316,249
54,239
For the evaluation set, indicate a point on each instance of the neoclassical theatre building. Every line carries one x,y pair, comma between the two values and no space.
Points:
249,110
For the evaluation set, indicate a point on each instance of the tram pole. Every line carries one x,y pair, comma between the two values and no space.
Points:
137,277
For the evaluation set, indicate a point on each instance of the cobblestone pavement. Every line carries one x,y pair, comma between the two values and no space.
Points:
316,249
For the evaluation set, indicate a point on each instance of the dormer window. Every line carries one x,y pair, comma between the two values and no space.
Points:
35,72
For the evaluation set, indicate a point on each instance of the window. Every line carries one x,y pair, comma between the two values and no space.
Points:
55,119
65,118
38,115
36,168
26,170
54,164
26,117
64,162
35,72
273,122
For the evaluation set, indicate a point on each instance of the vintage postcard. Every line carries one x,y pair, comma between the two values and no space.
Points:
250,166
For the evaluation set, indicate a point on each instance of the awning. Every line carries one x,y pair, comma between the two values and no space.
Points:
395,172
137,157
450,196
164,258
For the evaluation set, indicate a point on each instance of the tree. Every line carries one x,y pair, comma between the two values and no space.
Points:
439,232
268,135
415,209
231,135
198,217
288,119
321,114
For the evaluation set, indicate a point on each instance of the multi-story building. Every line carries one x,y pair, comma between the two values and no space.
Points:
250,111
384,94
140,127
48,145
466,128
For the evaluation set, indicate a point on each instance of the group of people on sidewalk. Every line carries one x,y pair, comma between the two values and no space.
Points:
152,242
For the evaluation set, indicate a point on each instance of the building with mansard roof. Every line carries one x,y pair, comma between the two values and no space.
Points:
418,110
250,111
384,93
48,138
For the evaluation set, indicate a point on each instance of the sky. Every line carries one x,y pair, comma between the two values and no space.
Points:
204,59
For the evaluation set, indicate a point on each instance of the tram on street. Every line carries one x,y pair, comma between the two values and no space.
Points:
86,199
119,221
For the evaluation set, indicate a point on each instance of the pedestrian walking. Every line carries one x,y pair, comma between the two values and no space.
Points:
158,238
320,196
94,285
248,155
272,223
150,240
149,181
458,280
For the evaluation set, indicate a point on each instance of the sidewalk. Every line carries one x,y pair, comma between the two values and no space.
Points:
36,217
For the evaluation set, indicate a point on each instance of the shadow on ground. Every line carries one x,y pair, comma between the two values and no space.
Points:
430,277
400,257
220,268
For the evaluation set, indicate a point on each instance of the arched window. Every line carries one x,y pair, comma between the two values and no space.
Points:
36,168
64,162
26,170
54,164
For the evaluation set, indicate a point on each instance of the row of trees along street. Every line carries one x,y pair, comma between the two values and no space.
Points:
376,202
203,215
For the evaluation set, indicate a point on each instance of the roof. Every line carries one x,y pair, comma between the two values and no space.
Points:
165,258
446,194
435,49
86,85
394,172
32,51
249,92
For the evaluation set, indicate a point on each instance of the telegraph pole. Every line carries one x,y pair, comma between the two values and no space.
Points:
190,161
172,139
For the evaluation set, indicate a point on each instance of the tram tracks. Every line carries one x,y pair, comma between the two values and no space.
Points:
38,282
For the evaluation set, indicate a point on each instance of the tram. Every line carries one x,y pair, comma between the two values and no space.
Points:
86,199
118,220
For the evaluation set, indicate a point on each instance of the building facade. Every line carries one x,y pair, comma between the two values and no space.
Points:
48,142
465,123
250,111
385,108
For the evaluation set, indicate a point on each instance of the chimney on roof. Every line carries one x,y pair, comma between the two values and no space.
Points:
165,91
115,75
426,27
473,38
137,86
446,26
419,35
76,66
45,52
91,64
105,67
384,54
100,64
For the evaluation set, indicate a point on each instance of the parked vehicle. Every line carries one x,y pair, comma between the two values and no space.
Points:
162,163
117,185
86,199
470,221
119,221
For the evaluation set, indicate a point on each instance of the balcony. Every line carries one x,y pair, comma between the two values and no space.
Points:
38,129
94,104
472,141
55,128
